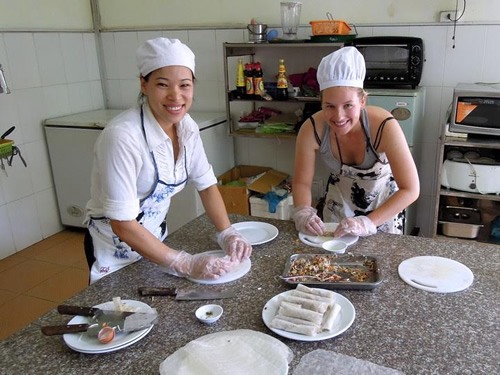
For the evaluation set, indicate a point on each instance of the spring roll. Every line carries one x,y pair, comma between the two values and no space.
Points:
301,313
308,330
308,303
330,317
298,293
318,292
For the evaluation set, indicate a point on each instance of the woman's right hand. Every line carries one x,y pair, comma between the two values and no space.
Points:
199,266
306,221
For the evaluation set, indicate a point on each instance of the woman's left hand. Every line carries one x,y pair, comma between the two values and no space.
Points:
234,244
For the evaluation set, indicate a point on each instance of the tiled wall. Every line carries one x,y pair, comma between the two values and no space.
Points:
50,74
54,74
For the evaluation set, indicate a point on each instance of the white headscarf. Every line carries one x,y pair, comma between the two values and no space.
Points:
160,52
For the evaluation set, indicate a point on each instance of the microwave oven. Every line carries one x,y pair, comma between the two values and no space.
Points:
475,109
391,61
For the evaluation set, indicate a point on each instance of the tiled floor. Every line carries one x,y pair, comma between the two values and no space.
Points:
38,278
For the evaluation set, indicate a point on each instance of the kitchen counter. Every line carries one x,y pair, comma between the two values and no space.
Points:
396,325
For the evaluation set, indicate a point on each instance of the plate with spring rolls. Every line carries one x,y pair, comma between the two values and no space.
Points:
308,314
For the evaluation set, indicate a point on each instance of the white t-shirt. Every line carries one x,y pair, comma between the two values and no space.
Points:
123,170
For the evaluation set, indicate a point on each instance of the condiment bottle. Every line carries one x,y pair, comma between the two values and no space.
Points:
240,79
249,79
282,82
258,83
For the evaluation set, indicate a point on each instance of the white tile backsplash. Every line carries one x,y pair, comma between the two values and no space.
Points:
23,64
57,73
74,56
50,58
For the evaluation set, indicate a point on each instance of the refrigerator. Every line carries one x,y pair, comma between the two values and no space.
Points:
407,106
71,139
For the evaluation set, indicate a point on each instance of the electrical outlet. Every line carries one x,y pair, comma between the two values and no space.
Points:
447,16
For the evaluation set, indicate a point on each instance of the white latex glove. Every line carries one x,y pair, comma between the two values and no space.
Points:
306,221
198,266
234,244
358,226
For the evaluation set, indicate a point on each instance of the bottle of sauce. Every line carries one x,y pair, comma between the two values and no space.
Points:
282,82
249,80
258,83
240,80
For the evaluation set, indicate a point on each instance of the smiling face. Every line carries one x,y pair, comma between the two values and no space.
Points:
342,107
169,91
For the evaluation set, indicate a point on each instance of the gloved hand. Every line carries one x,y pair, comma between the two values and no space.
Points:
234,244
198,266
306,221
358,226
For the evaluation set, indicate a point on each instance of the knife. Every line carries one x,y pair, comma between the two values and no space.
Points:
121,321
185,294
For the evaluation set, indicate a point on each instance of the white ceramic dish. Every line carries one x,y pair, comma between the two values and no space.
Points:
82,343
343,322
435,274
237,272
335,246
317,241
257,232
209,313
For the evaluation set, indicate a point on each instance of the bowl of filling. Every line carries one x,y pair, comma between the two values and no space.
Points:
209,313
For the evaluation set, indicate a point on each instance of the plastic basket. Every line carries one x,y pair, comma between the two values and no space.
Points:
330,27
5,148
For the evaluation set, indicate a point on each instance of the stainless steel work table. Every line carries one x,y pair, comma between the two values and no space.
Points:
396,325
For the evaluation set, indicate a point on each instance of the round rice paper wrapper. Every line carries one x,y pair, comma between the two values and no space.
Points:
241,351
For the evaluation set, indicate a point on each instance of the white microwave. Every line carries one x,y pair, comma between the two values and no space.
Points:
476,109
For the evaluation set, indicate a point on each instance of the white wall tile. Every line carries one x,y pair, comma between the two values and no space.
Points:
465,61
50,58
38,161
48,214
18,184
79,95
26,229
126,45
24,71
434,53
109,56
7,246
490,69
75,61
30,119
202,43
96,92
90,48
56,100
142,36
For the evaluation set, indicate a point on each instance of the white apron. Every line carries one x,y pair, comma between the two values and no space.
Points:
357,191
110,252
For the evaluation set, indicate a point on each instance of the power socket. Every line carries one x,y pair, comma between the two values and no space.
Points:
447,16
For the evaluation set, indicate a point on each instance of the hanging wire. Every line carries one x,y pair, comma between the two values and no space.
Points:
455,20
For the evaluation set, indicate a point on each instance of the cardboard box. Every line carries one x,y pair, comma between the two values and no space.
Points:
260,207
236,198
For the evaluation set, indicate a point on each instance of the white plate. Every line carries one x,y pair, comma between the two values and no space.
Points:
435,274
82,343
317,241
343,322
257,232
238,271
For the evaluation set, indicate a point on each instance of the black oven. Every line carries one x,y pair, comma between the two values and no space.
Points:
391,61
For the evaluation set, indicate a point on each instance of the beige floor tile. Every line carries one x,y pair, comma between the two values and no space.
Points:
26,275
6,296
61,286
11,261
21,311
64,253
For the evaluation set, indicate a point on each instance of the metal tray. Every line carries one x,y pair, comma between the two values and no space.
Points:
353,271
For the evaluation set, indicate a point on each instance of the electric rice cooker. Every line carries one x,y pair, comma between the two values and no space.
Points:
479,176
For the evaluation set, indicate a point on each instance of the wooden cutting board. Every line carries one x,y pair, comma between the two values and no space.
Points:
435,274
